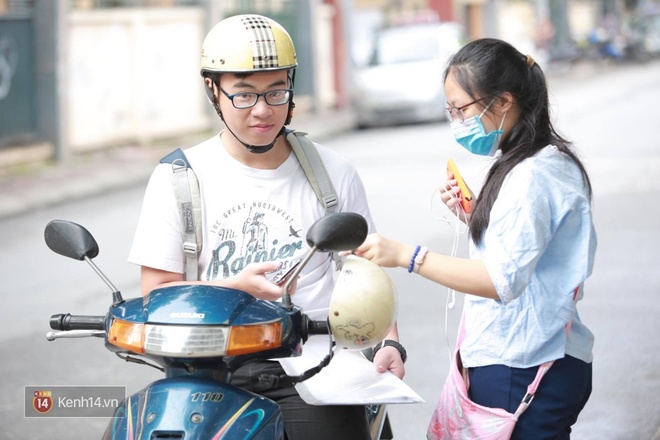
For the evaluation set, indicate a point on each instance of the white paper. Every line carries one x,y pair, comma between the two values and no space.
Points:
349,379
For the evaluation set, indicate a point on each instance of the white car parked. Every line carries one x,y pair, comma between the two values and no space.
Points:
403,82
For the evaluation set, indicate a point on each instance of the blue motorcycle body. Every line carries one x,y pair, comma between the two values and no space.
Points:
195,400
195,408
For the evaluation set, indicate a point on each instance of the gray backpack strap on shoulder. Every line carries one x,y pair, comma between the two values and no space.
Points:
186,189
316,173
311,163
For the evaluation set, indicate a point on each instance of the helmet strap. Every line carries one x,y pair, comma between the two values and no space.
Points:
212,98
292,105
256,149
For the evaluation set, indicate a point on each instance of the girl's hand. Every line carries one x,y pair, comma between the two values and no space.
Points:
450,193
384,252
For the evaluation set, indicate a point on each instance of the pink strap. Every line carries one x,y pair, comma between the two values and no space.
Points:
531,389
461,331
575,295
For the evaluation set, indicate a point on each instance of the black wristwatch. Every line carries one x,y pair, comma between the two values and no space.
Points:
392,343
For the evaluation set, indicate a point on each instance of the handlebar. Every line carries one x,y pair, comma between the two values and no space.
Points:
67,321
312,328
318,327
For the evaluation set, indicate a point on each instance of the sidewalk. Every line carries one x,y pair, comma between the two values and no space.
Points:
122,167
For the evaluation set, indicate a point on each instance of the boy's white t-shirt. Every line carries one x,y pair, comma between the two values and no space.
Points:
248,215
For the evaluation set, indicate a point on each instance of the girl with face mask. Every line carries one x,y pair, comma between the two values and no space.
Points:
471,133
532,243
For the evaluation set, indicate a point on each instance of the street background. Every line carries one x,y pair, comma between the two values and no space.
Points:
79,76
609,111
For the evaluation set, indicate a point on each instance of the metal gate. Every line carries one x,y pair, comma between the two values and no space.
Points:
17,80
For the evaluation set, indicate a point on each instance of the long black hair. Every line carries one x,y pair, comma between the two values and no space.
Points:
490,67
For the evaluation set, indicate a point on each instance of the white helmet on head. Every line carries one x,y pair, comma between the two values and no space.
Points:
363,306
247,43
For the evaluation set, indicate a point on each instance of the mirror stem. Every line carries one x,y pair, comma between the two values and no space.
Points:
116,295
286,296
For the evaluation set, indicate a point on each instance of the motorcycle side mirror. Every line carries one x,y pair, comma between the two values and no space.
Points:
72,240
339,231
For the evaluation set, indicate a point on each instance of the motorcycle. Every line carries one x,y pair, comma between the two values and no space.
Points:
197,336
619,46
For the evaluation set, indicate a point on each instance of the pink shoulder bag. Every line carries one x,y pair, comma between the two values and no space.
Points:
456,417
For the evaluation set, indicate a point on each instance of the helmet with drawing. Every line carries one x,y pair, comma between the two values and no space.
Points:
364,305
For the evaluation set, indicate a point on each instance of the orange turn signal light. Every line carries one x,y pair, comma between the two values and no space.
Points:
245,339
128,335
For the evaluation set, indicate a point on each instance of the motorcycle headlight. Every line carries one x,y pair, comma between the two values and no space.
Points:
189,341
194,340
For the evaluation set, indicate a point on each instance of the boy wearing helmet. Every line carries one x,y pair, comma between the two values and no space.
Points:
256,206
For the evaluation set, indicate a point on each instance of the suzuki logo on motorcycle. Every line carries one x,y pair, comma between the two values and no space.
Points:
187,315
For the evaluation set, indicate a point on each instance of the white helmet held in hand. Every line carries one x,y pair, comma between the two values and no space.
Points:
363,306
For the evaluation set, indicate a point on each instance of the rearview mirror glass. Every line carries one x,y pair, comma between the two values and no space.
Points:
339,231
70,240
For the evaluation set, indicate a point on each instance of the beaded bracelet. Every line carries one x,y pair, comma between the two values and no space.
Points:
412,260
420,259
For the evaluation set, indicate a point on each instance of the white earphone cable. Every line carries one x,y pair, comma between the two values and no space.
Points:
458,221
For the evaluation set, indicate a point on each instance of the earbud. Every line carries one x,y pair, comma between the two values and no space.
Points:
451,303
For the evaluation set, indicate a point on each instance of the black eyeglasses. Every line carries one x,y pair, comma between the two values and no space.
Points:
456,113
249,99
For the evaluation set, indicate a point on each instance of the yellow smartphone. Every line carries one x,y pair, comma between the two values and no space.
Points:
466,195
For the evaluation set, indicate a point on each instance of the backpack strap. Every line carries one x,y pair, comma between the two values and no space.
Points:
316,173
186,189
311,163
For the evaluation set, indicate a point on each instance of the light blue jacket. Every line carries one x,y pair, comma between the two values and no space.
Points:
538,247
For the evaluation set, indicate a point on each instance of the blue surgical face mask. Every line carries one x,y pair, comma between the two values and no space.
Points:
472,135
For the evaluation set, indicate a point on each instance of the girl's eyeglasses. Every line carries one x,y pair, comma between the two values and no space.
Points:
456,114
